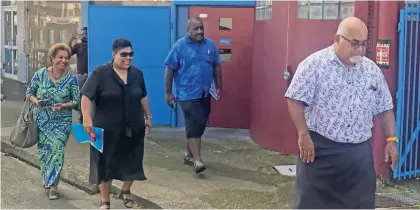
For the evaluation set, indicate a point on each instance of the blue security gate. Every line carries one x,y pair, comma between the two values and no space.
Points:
408,94
148,29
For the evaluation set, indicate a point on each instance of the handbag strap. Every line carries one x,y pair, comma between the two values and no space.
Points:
26,104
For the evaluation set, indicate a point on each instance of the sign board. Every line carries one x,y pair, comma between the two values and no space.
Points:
382,53
225,41
203,15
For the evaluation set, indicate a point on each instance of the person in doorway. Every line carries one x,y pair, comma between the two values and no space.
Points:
55,93
122,110
193,62
332,100
81,50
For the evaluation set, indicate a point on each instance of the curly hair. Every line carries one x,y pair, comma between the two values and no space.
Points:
58,47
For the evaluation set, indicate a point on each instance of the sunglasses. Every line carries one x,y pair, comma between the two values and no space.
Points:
126,54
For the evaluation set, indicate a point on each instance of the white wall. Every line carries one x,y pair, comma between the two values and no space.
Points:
22,41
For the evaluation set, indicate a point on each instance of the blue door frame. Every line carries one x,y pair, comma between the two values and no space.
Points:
179,12
408,93
180,15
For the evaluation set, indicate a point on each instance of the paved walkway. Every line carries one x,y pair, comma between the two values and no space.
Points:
240,174
21,189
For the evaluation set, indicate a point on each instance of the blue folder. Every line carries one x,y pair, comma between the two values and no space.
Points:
82,137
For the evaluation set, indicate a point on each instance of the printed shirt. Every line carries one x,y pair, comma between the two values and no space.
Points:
340,102
193,65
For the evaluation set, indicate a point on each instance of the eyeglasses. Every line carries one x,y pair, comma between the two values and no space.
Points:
356,44
125,54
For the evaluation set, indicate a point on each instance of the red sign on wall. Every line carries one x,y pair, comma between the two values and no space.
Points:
382,53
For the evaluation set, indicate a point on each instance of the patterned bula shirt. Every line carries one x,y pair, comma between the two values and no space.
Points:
340,102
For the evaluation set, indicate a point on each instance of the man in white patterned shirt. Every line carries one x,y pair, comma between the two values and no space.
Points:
332,99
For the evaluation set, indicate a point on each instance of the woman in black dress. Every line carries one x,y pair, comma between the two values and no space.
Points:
122,110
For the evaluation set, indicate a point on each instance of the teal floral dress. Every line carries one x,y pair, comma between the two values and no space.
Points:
54,127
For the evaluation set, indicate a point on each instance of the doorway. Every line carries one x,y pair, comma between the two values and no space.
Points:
9,29
149,29
232,29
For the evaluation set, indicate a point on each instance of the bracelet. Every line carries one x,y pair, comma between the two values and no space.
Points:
390,139
148,117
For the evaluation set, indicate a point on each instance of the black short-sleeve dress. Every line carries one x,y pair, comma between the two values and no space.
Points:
119,112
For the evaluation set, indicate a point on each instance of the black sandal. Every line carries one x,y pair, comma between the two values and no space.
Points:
105,203
128,203
188,160
53,194
199,167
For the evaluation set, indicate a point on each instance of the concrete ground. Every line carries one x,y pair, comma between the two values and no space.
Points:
238,170
240,174
21,189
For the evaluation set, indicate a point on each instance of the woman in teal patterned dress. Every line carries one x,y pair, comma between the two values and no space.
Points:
55,92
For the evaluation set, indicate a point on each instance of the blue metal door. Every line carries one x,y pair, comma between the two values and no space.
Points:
148,29
408,94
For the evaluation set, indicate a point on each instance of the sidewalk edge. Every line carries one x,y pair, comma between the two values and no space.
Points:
65,176
32,161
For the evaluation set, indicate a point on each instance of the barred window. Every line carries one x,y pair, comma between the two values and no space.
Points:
63,36
263,9
51,36
41,36
412,5
327,10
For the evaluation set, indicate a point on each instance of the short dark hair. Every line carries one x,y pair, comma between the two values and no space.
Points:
120,43
84,28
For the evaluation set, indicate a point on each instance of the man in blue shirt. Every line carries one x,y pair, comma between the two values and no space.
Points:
193,63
